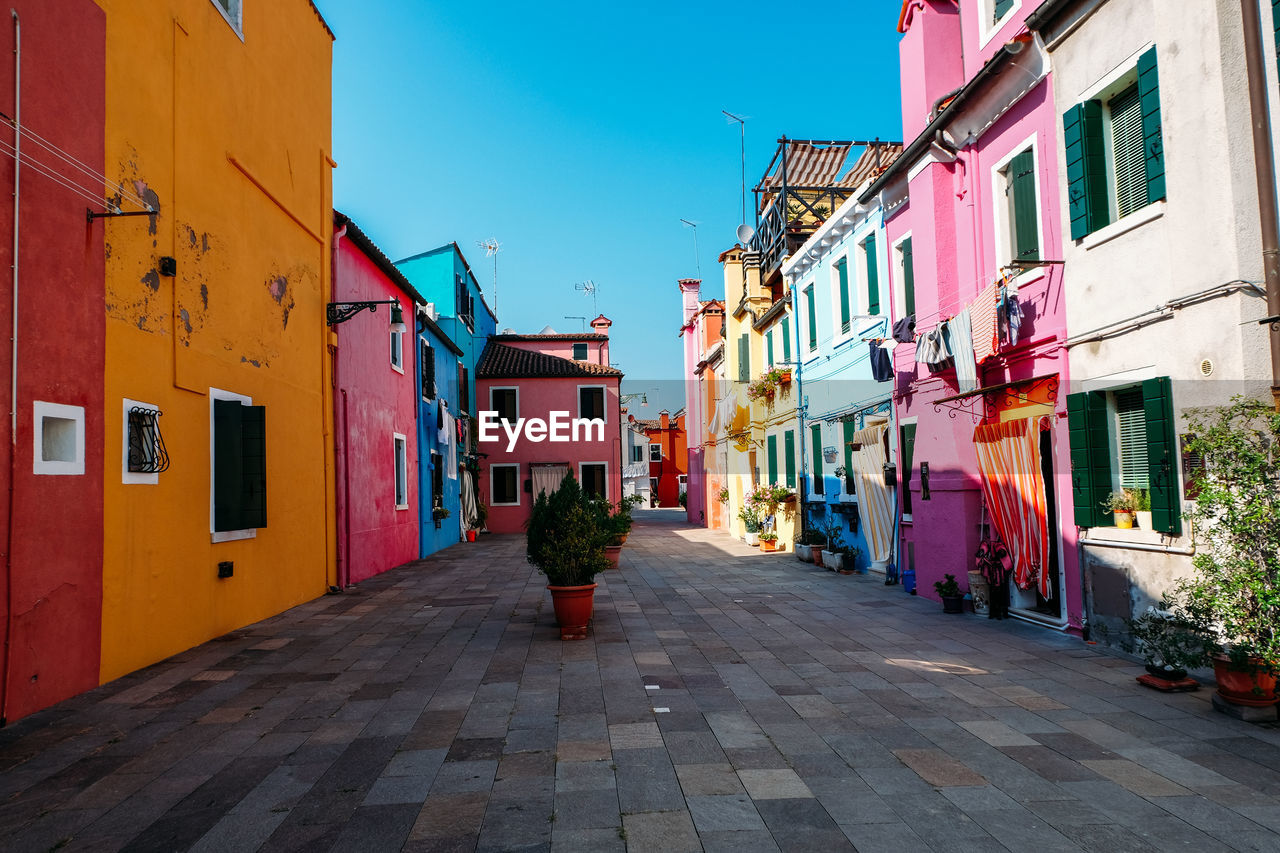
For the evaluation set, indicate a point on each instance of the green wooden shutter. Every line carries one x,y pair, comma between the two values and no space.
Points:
228,471
842,273
1090,457
1002,8
773,459
873,276
909,276
1153,143
744,359
786,338
1275,24
254,444
1162,455
848,431
813,318
1086,168
789,448
768,346
907,452
819,484
1022,195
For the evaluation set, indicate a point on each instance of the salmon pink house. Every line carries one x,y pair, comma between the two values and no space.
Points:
548,404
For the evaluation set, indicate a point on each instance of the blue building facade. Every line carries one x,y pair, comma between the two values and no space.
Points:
440,449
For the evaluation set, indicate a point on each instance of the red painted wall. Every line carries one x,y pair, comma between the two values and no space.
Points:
538,398
675,460
373,402
51,588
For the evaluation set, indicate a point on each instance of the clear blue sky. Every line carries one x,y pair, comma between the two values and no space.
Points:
579,134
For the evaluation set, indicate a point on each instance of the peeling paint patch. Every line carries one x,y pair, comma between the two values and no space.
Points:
152,280
106,250
149,196
204,296
186,320
252,361
204,242
191,236
278,287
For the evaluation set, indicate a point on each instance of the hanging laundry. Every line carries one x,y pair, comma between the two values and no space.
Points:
1010,315
440,415
462,429
881,363
958,332
932,350
904,331
443,424
983,316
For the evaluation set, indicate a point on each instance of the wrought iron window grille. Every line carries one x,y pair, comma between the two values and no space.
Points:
147,453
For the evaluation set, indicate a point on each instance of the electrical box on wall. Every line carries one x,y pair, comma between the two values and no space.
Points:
226,569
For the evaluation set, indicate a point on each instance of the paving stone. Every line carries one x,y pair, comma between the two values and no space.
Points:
937,768
1135,777
802,825
670,832
588,840
700,780
760,841
773,784
587,809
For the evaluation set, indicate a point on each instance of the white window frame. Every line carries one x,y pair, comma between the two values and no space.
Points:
1003,245
234,18
494,408
128,477
223,535
400,461
582,465
653,445
39,465
988,27
899,308
397,352
519,491
604,400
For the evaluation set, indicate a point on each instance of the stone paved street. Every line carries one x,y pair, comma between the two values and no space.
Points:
725,700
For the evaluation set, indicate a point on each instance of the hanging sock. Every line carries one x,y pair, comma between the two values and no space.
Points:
881,363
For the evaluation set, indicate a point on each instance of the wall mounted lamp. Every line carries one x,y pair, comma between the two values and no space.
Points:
341,312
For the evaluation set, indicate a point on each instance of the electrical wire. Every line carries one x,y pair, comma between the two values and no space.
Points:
76,163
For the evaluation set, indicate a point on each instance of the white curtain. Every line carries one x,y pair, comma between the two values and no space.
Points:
875,499
546,478
470,508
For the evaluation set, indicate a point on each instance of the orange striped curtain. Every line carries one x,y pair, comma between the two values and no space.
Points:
1009,461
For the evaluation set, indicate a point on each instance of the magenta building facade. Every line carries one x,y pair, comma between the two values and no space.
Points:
973,218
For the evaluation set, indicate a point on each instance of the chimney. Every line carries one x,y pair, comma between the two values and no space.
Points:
664,419
689,290
600,325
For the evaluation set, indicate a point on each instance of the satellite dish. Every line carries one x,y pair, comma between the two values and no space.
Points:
745,233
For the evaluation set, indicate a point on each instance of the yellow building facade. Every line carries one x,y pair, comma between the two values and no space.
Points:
219,119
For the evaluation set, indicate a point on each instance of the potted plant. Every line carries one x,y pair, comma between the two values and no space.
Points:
750,525
768,541
439,513
832,555
1236,518
1170,643
1120,504
949,591
803,548
1142,508
761,389
850,555
565,541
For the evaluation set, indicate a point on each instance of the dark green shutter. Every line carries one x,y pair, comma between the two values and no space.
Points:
773,459
818,483
786,338
1153,143
1275,23
842,272
1086,168
744,359
813,319
768,346
848,431
909,277
1001,9
789,448
873,276
228,470
907,452
1022,195
254,442
1162,455
1090,457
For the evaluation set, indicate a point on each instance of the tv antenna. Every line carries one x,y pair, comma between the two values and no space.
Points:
696,261
576,317
589,288
491,248
742,153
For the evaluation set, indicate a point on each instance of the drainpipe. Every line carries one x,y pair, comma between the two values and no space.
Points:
1266,176
13,380
801,411
343,514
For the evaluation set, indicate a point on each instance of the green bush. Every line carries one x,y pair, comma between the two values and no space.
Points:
566,537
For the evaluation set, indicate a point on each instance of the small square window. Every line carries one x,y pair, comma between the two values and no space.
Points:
591,403
59,439
147,453
504,485
595,479
579,352
506,402
655,452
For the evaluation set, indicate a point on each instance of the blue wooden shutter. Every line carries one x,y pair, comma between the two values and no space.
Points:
873,276
1090,457
789,448
1163,457
1153,143
773,459
909,278
1086,168
1022,195
842,273
818,483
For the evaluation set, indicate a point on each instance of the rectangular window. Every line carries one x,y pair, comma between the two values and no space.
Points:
1020,206
872,274
594,477
908,277
819,484
655,452
402,471
842,285
591,402
239,464
813,318
146,446
437,480
464,389
637,453
1115,150
506,402
653,484
906,451
579,352
504,485
1001,9
427,356
789,457
397,351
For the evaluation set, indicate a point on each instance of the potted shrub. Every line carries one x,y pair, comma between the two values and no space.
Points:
565,541
849,558
769,541
1236,518
751,526
1142,508
804,550
1170,643
1120,504
949,591
832,555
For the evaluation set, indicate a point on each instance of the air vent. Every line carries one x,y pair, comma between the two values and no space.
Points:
1206,368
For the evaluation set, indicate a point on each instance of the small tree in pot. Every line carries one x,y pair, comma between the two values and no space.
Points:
566,542
948,590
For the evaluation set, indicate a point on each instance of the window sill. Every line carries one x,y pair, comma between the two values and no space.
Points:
398,369
1137,219
233,535
1132,536
501,504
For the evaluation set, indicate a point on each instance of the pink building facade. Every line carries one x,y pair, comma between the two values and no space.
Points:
973,219
540,384
375,418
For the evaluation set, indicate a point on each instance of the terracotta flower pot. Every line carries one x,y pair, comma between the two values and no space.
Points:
1252,685
613,552
766,545
816,553
573,605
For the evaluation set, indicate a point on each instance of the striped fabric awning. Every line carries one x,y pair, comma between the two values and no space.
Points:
874,160
809,165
